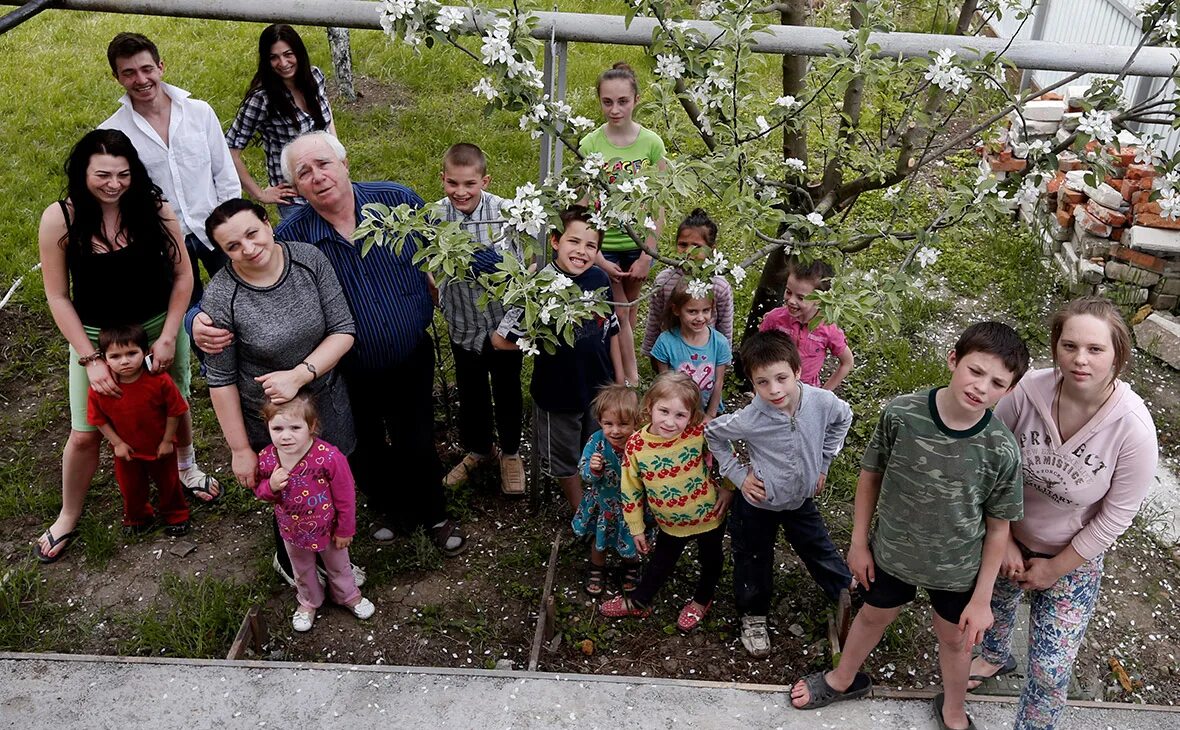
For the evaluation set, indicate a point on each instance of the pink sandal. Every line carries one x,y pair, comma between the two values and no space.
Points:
690,618
622,607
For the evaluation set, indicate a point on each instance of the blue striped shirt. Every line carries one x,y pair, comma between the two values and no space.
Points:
388,294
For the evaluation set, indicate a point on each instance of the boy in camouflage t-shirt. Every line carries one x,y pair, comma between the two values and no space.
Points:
943,477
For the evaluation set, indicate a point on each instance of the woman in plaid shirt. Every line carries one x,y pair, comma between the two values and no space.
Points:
286,98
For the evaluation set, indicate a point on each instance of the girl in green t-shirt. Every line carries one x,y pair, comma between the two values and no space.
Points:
627,149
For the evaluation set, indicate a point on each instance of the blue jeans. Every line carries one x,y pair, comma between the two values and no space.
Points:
1058,617
754,532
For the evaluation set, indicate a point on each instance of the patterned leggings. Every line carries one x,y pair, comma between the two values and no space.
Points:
1058,617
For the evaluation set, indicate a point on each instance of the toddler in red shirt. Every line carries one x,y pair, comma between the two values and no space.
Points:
141,426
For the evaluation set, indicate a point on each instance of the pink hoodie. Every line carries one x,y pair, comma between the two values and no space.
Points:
1086,491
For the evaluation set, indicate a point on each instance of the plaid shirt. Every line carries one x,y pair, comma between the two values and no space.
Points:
254,117
469,323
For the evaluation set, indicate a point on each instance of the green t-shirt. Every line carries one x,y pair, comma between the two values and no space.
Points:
620,163
937,488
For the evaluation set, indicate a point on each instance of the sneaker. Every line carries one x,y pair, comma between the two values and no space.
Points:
302,620
755,637
512,480
363,609
358,574
287,577
463,470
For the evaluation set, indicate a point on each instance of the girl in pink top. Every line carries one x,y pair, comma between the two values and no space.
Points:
314,495
1089,450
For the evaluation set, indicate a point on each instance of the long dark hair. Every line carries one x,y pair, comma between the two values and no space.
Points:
139,207
279,102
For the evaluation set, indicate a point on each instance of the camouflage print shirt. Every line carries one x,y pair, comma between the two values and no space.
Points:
937,487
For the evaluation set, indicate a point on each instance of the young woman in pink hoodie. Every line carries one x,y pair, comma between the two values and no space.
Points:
1089,450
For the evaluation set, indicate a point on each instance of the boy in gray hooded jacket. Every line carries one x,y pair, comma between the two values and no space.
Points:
792,431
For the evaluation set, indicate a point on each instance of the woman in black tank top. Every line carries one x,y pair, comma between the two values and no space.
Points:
109,256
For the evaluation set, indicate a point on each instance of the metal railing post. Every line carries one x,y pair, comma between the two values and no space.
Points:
1040,20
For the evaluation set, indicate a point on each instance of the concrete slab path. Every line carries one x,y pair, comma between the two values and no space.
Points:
57,691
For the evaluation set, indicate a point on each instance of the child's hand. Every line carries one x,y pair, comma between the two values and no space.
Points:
122,451
278,479
166,447
974,621
724,499
341,542
753,488
860,562
819,486
641,544
597,464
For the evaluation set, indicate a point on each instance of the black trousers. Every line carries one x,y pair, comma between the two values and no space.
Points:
213,259
663,561
480,405
395,462
754,531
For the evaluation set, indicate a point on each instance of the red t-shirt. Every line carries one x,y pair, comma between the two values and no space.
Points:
140,416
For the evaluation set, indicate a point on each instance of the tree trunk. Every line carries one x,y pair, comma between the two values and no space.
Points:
342,61
773,279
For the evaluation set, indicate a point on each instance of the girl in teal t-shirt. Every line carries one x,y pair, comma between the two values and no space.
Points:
627,149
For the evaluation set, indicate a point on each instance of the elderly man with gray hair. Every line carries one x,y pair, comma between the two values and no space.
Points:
389,373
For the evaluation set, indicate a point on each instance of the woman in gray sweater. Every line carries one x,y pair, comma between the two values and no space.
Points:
291,325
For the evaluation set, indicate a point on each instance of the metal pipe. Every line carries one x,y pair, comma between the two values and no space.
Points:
803,40
21,14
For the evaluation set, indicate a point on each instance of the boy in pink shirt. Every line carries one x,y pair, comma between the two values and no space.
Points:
795,319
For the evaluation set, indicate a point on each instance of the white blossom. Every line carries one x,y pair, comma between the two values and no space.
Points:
598,220
485,89
815,219
1028,193
528,347
592,165
738,274
581,123
547,310
670,66
944,74
708,9
565,193
1168,29
397,9
1097,124
891,192
794,164
698,289
717,261
635,184
449,18
495,49
1169,204
1042,146
763,125
786,102
1147,153
412,38
525,212
560,282
927,256
649,223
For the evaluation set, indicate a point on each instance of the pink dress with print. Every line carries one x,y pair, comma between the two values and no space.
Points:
319,501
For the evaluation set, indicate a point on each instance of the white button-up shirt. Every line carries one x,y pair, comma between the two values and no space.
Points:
194,169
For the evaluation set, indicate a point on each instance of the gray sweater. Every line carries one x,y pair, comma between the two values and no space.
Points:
276,328
788,453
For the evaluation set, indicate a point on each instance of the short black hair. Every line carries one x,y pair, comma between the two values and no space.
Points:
761,349
126,45
995,338
127,334
229,209
575,213
817,271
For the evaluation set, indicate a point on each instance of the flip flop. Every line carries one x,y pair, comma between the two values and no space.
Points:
202,487
54,542
938,698
1008,667
823,694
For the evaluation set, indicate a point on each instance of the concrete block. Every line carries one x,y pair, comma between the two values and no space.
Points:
1089,246
1153,240
1127,138
1162,301
1074,95
1131,274
1168,286
1090,272
1080,288
1068,271
1105,195
1123,294
1044,111
1159,335
1059,231
1068,161
1070,121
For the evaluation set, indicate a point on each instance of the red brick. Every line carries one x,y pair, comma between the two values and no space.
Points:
1135,172
1128,188
1146,206
1064,218
999,164
1005,154
1125,156
1069,164
1050,96
1073,197
1108,216
1053,185
1092,146
1116,234
1114,182
1139,197
1138,258
1089,223
1152,220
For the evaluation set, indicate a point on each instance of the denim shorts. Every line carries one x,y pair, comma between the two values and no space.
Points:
623,259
